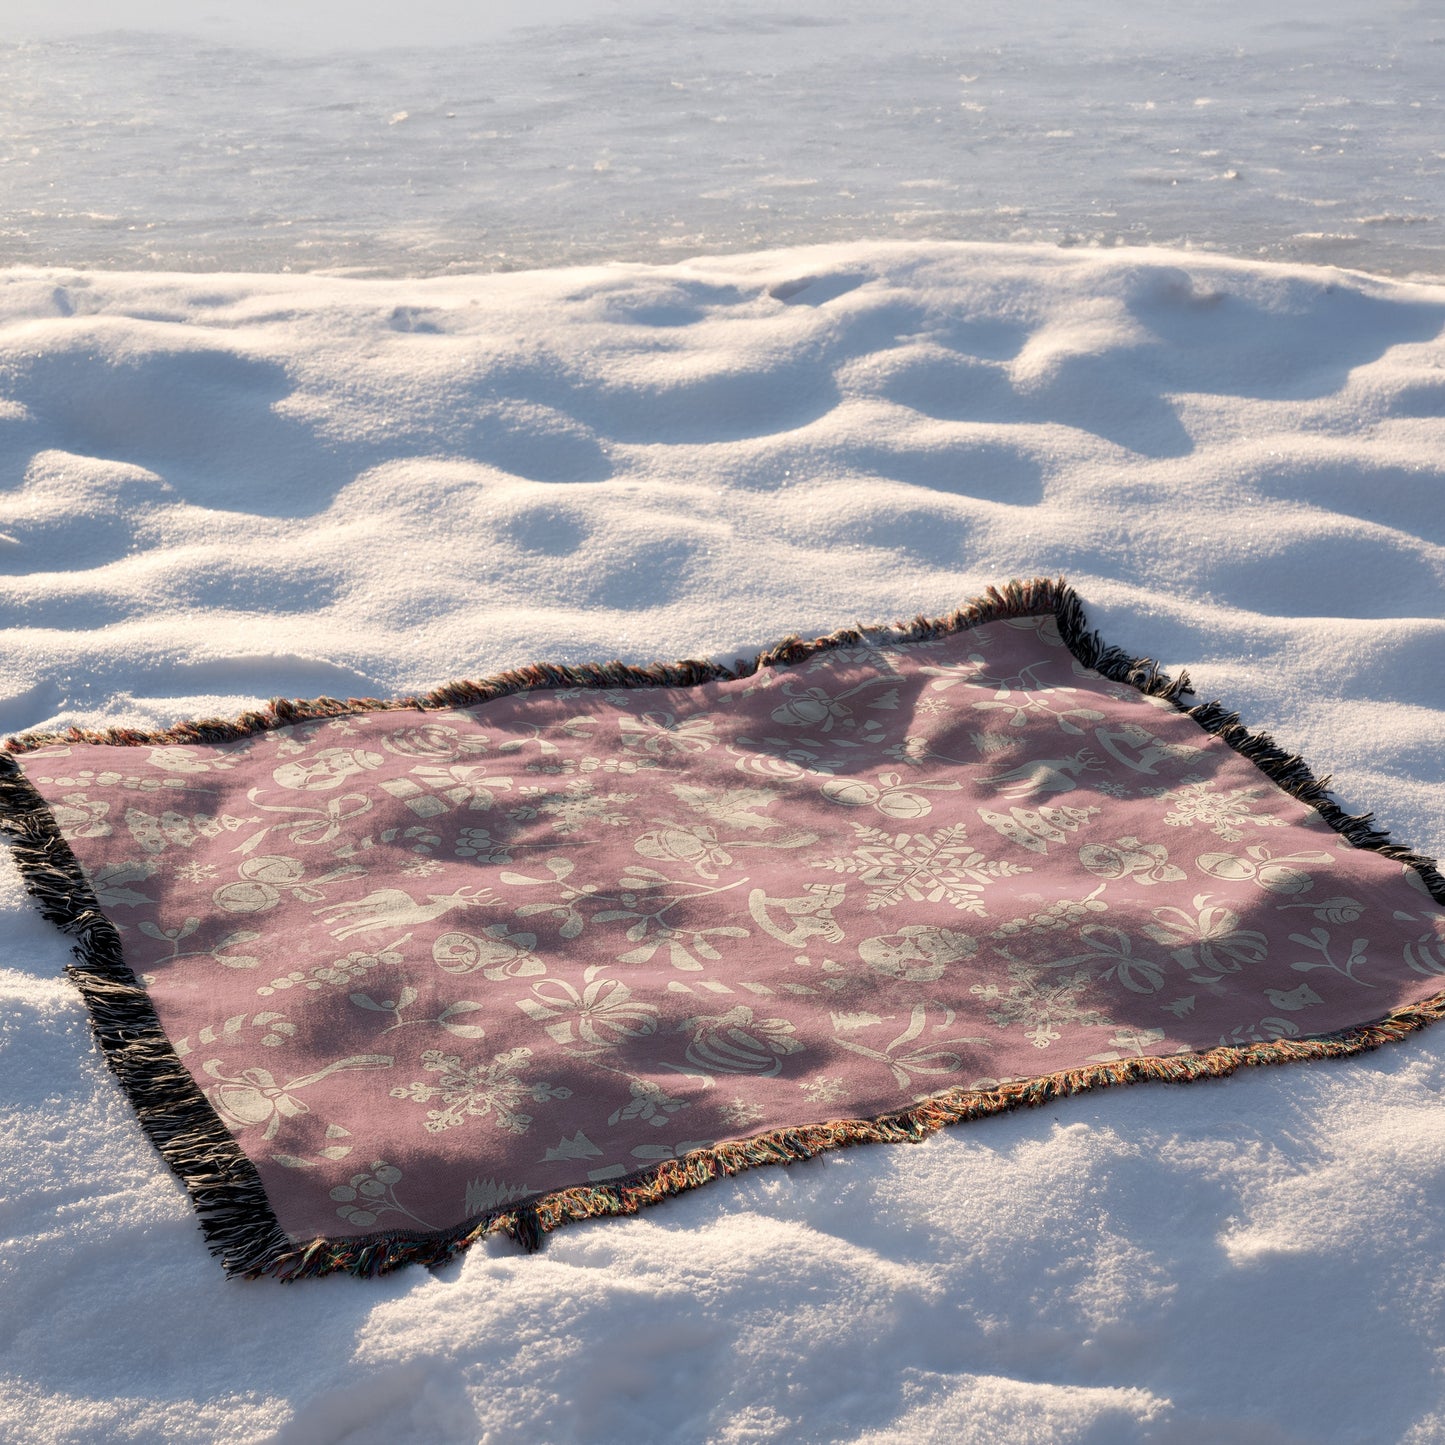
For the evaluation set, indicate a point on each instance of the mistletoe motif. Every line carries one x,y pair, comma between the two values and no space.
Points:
1318,940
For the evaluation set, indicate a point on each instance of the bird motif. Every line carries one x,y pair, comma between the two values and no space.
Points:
391,908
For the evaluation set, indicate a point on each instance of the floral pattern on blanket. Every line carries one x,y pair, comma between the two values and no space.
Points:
424,964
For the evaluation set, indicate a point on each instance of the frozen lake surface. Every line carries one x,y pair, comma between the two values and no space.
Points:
429,138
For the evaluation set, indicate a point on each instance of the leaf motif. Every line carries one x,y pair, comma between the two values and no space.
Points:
638,955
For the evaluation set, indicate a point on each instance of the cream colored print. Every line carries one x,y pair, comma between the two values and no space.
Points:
267,877
325,770
904,1055
496,954
1277,873
735,1042
941,867
891,796
253,1096
477,1091
1223,813
1130,859
808,916
919,953
1036,828
389,908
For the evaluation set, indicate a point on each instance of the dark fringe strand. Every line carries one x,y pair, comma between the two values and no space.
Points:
235,1215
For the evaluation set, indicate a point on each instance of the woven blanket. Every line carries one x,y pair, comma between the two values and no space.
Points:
382,977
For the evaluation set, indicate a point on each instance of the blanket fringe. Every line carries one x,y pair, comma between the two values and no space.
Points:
526,1223
235,1215
175,1115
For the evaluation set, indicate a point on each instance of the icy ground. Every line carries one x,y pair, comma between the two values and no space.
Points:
215,487
271,137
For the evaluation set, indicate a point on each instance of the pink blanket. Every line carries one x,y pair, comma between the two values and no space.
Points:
381,978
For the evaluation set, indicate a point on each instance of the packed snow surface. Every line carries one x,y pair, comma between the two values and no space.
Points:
215,488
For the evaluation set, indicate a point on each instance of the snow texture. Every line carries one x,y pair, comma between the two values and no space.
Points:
217,487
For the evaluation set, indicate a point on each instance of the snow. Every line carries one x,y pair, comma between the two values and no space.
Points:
791,411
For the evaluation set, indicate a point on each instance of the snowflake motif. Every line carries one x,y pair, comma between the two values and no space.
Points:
825,1089
421,868
940,868
1112,790
1041,1008
1221,813
196,872
739,1113
579,805
478,1090
932,705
